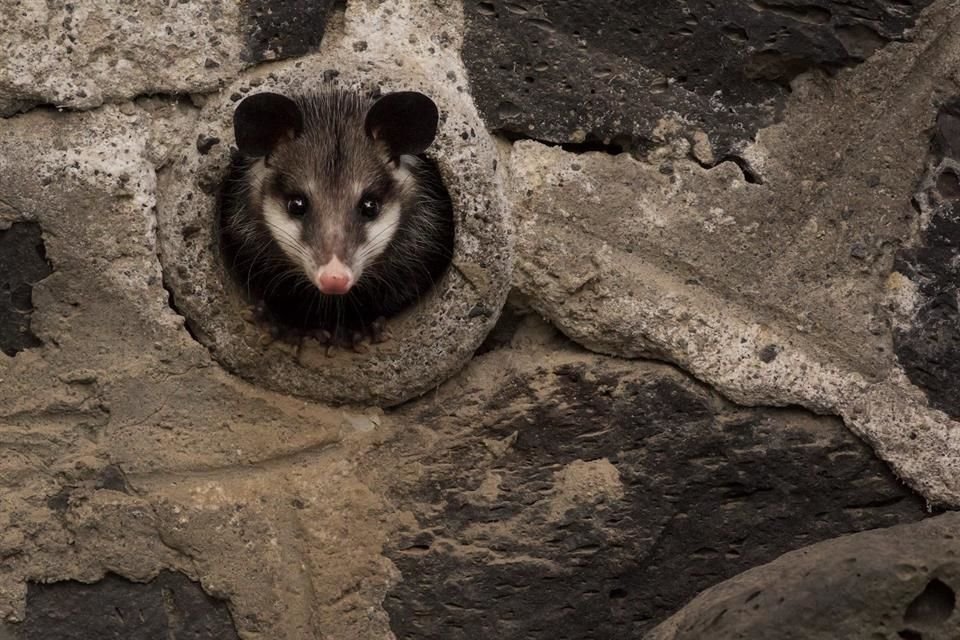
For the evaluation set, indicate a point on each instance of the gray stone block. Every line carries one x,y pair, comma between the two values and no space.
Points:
83,53
898,583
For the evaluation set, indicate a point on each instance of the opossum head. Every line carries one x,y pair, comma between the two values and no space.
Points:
331,175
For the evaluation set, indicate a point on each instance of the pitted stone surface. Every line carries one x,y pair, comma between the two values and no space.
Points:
593,496
430,342
899,582
775,293
610,70
570,480
88,182
83,53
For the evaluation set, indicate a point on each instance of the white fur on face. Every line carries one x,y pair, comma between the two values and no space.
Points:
287,232
379,234
381,230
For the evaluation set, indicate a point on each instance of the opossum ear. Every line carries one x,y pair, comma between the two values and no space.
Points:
406,121
263,120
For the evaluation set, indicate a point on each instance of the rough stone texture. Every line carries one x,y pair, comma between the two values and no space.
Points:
431,341
777,293
927,335
83,53
22,264
563,495
617,486
169,606
125,449
899,582
609,70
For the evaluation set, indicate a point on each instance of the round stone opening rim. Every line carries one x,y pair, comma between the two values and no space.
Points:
430,341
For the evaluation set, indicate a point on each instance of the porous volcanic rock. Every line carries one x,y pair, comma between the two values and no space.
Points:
774,284
927,332
564,495
285,28
899,582
610,70
83,53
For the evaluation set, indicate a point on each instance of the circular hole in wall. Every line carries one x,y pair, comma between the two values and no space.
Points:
429,340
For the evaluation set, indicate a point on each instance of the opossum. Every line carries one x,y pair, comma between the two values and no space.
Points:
332,218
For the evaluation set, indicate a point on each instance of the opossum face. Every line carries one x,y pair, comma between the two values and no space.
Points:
333,176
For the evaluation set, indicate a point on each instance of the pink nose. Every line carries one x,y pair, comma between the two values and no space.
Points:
334,283
334,278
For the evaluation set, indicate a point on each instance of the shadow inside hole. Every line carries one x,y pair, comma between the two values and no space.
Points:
275,282
932,607
948,184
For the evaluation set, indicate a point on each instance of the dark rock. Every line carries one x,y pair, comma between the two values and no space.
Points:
284,29
112,477
769,353
205,143
948,184
593,497
169,607
929,348
23,263
610,68
946,138
891,583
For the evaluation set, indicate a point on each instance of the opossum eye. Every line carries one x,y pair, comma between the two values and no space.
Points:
297,206
369,207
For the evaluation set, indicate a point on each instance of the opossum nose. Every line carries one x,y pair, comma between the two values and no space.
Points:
334,278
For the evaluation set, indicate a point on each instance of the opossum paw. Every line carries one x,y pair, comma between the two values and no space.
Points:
360,342
258,315
374,333
379,332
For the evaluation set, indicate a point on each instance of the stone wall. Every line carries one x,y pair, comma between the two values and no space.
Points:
700,335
